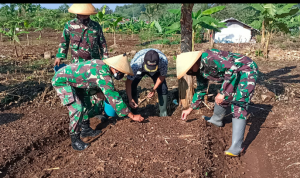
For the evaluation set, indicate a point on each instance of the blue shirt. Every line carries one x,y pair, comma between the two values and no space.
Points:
138,60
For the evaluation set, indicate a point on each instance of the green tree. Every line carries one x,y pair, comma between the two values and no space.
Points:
270,17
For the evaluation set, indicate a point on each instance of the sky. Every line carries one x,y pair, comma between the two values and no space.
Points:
112,6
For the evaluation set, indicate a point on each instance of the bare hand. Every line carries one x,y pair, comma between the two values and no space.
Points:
185,113
132,104
138,118
57,62
151,94
219,98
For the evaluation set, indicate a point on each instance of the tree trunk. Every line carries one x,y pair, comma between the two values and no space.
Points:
185,84
267,45
16,53
114,38
193,40
262,42
212,40
27,40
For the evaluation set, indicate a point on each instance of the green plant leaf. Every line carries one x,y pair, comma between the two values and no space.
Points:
103,10
22,33
15,37
258,7
291,12
198,14
174,26
270,9
157,25
175,11
213,10
286,8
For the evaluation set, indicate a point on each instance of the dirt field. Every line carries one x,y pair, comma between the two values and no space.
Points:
34,125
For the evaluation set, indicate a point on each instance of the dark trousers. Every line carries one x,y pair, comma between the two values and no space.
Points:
162,89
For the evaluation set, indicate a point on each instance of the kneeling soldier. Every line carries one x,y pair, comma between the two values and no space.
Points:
238,73
91,74
153,63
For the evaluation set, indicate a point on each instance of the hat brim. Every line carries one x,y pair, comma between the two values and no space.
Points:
185,61
150,68
120,63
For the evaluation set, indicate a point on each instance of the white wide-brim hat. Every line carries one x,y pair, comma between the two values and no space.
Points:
120,63
185,61
82,9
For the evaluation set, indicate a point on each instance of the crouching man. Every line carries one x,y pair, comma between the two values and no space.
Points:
238,73
154,63
91,74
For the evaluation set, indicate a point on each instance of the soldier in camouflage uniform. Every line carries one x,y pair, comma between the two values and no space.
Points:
239,75
85,38
93,74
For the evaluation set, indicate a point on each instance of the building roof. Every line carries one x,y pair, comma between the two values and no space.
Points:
231,18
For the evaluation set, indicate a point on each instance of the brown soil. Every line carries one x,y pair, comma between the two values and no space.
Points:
34,126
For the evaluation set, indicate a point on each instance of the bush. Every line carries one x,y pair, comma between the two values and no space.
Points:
258,38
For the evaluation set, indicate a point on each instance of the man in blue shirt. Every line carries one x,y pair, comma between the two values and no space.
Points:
154,63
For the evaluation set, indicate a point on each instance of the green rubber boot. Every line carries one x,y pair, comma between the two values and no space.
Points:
238,130
216,119
162,99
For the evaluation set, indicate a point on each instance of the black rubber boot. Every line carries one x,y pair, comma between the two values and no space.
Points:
87,131
77,143
103,117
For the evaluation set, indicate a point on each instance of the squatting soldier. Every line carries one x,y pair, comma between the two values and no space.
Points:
238,73
85,38
154,63
93,74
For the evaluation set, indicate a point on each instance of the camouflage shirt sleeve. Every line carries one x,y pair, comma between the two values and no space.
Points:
64,43
112,96
202,84
102,44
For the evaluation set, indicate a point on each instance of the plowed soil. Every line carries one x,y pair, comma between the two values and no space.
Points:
34,125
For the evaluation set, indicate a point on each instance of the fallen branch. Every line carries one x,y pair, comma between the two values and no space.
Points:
206,105
52,168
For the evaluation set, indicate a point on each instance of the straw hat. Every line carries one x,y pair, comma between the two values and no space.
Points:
120,63
185,61
82,9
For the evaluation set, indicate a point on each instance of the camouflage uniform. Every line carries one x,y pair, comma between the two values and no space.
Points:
85,41
92,74
83,49
238,73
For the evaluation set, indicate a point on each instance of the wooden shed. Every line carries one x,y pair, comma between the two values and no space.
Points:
236,32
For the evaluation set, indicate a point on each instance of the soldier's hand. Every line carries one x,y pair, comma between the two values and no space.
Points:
219,98
138,118
132,104
185,113
57,61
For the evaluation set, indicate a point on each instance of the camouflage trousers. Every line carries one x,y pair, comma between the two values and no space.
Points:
244,91
81,108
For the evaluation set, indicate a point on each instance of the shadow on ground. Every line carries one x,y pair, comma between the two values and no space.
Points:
274,80
6,118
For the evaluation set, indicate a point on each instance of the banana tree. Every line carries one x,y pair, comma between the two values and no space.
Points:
200,19
113,26
13,36
100,17
270,17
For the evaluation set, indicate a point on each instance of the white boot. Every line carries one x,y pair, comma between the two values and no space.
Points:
238,130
